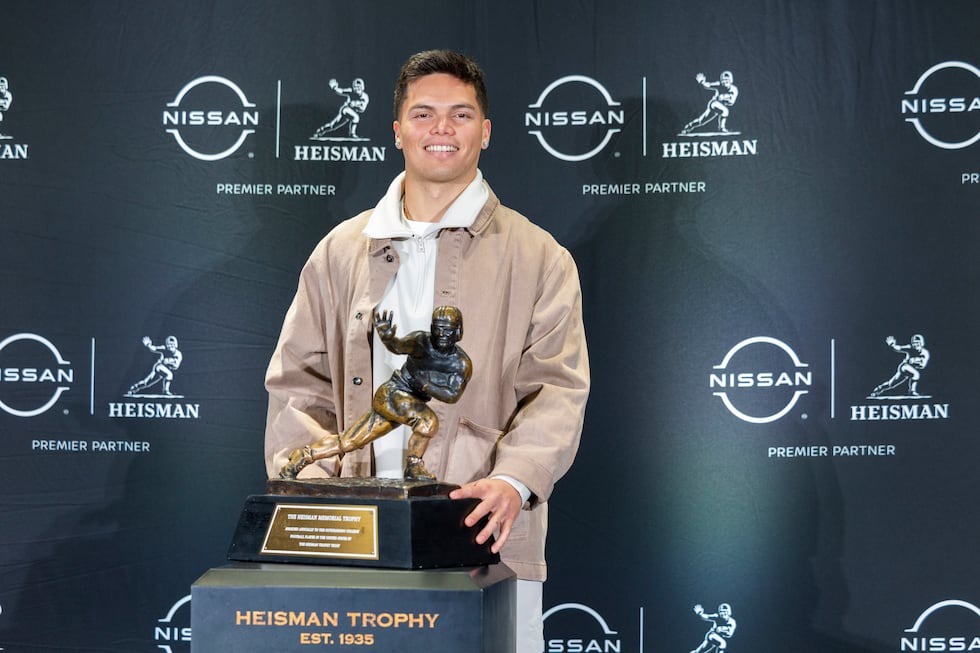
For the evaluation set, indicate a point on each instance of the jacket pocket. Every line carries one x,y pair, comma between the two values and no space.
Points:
472,451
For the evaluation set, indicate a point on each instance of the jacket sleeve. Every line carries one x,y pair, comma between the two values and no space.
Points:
552,386
302,406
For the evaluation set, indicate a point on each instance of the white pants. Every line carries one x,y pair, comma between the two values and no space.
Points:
530,627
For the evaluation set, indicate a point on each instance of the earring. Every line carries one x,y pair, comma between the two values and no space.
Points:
398,143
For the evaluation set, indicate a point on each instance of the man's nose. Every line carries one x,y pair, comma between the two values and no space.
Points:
443,125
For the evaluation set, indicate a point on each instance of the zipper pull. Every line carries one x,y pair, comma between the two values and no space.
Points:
420,241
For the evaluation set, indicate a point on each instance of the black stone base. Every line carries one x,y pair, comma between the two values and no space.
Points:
417,526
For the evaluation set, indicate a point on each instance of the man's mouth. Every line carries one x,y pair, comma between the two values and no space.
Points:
441,148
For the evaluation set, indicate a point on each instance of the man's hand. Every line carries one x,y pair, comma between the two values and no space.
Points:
498,499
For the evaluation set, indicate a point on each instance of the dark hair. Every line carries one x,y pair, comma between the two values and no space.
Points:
452,63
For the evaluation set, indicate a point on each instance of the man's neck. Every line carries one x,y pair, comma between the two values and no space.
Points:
428,202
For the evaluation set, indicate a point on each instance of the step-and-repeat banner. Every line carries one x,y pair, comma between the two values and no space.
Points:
775,208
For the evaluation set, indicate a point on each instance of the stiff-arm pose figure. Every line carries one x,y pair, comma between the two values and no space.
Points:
436,367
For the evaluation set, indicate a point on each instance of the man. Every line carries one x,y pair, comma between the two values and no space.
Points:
436,367
440,232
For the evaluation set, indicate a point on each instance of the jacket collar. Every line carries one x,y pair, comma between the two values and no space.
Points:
387,219
485,216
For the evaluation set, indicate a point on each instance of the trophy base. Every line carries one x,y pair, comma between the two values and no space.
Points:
359,522
369,488
257,608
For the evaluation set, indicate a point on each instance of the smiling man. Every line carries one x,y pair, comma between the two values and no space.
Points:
441,235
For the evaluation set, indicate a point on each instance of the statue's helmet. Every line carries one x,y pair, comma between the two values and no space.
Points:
449,314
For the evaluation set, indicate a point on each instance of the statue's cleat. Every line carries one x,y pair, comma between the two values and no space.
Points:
415,470
297,461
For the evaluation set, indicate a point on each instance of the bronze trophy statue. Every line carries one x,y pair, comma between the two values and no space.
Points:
436,368
408,523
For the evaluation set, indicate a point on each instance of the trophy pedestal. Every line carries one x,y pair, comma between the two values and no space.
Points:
248,607
359,523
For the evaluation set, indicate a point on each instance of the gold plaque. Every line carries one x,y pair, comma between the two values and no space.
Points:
329,531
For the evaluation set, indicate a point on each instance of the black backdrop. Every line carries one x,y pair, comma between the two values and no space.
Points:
739,289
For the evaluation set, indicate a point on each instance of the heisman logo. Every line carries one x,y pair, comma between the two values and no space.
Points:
342,130
909,370
349,113
5,99
154,392
8,150
163,370
719,106
897,395
721,630
718,110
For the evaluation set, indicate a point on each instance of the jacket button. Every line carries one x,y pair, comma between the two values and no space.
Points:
358,316
358,380
389,258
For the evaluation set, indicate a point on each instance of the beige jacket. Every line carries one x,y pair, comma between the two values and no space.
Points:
521,414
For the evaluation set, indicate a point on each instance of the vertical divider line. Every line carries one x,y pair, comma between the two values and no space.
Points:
833,378
641,630
278,113
644,116
91,390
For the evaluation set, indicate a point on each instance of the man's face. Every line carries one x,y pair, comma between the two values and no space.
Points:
445,334
441,129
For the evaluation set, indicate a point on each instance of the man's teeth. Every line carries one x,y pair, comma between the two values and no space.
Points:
441,148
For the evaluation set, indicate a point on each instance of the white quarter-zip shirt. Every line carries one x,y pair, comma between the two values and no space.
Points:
410,294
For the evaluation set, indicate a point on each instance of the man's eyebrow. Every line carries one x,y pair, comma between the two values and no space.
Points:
454,107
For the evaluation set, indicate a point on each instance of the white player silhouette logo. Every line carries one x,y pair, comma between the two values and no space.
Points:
722,628
163,370
719,106
355,102
910,369
5,99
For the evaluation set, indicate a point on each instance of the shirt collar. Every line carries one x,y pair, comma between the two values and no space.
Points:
387,221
